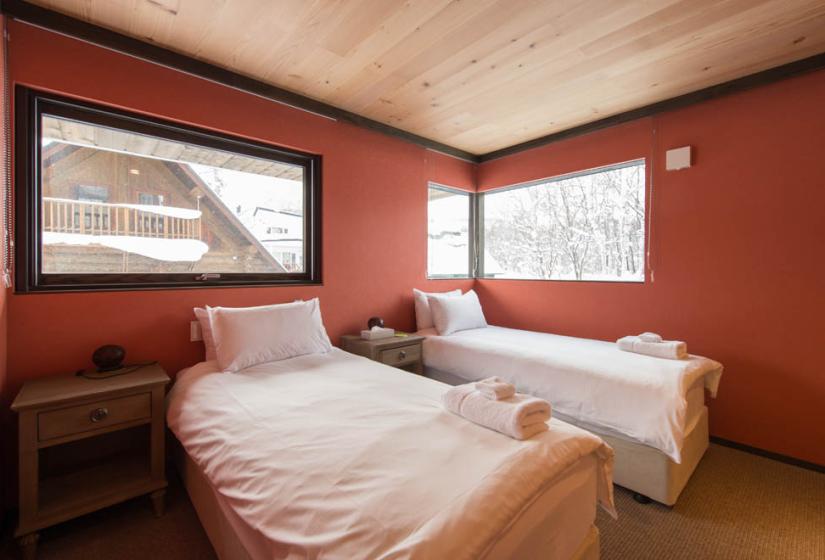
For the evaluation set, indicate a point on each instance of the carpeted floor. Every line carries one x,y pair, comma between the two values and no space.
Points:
736,506
128,531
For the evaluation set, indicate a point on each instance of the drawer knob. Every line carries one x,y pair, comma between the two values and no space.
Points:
402,355
99,414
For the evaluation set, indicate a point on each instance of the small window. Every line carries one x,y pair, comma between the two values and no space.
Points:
112,200
86,193
148,199
449,223
584,226
92,194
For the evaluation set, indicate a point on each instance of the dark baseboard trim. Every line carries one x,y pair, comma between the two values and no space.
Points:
106,38
769,454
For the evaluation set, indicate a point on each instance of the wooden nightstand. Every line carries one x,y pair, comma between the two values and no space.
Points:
86,444
401,352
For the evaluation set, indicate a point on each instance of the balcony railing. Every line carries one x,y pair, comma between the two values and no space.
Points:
61,215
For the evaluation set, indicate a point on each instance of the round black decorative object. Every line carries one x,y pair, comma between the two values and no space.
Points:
109,357
375,322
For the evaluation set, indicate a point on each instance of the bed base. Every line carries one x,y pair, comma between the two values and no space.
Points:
651,474
225,540
648,472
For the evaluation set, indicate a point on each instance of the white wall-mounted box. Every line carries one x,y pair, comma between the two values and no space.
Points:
678,158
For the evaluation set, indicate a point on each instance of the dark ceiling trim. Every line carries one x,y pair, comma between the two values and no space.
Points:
72,27
764,77
67,25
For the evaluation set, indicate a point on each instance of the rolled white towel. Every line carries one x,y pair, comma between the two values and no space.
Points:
651,337
520,417
668,349
495,388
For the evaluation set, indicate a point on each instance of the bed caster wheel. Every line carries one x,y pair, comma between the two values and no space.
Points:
641,498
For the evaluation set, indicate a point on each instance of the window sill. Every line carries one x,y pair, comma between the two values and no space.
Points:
131,287
567,281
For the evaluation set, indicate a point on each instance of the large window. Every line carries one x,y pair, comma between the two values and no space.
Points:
449,239
585,226
110,200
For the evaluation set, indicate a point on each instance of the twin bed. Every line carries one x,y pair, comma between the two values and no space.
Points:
650,410
335,456
290,448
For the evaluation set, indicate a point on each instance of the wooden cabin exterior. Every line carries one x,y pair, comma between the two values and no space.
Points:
94,192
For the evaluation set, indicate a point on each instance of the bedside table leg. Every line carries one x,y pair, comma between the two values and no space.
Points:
28,545
158,501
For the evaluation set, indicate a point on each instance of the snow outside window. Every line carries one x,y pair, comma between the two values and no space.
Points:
448,233
586,226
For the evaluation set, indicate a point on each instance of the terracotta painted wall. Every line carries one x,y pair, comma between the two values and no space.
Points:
3,155
737,251
374,215
735,238
3,292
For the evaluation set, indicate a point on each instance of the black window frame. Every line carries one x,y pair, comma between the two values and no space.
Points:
31,105
481,230
471,235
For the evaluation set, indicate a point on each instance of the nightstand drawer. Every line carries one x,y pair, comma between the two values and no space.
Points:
93,416
402,355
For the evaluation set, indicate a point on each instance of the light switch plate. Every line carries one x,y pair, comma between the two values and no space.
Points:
195,333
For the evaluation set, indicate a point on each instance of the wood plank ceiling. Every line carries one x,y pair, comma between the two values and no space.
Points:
479,75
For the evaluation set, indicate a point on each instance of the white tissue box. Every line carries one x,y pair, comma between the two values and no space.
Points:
377,333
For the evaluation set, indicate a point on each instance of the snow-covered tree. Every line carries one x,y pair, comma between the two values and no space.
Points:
587,227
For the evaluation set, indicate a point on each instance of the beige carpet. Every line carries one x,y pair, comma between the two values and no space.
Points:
736,506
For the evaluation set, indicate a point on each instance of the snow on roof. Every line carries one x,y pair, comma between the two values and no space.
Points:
160,249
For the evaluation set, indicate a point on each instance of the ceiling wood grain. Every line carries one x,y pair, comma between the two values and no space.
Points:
479,75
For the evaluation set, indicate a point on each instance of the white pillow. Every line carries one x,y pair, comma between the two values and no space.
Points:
202,315
248,336
423,316
452,314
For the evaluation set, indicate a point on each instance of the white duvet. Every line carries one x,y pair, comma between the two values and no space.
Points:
335,456
588,381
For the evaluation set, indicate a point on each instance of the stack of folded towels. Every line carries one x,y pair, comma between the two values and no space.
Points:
494,404
652,344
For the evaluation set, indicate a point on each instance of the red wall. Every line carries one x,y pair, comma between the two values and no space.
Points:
735,238
3,316
374,215
736,253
